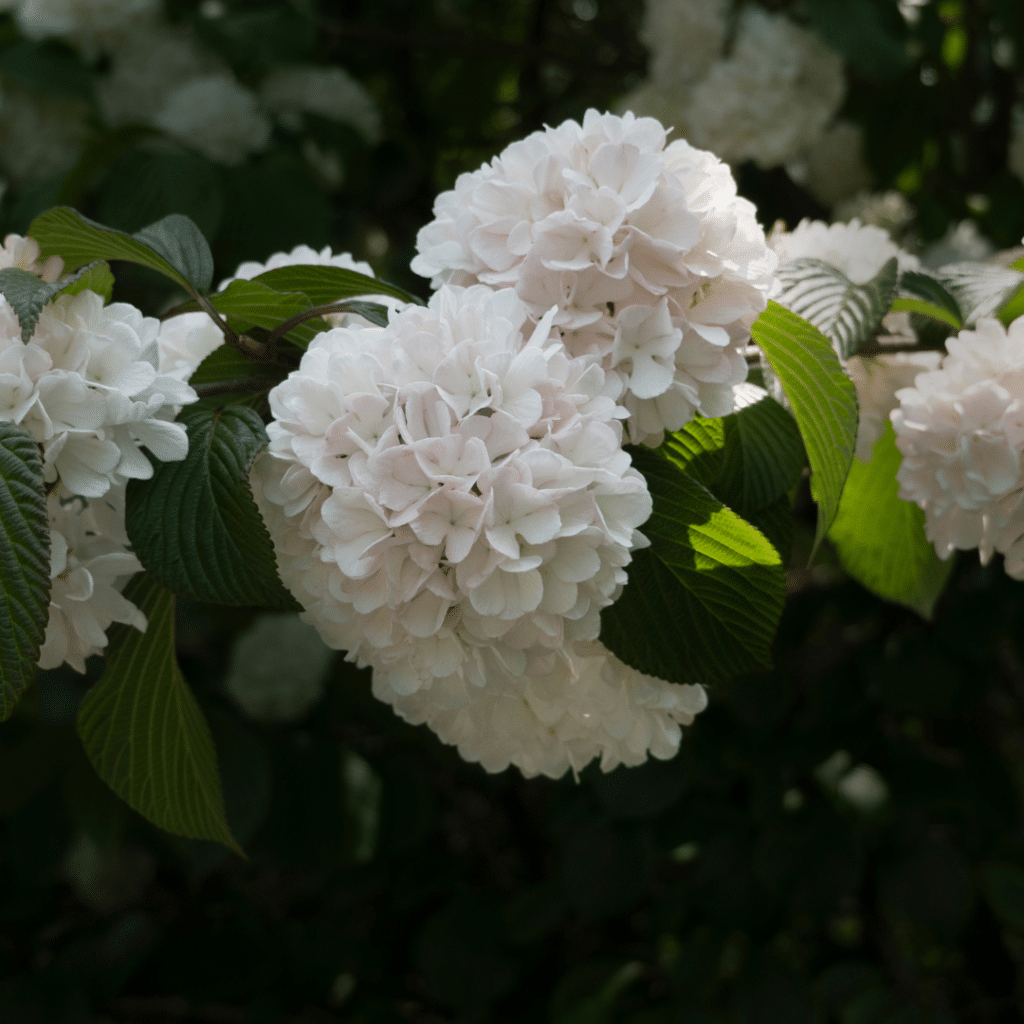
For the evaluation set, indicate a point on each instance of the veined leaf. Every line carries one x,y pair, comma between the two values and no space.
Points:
881,540
24,563
823,398
28,293
255,304
748,459
917,285
228,364
980,289
195,525
145,734
928,309
703,602
331,284
825,297
173,246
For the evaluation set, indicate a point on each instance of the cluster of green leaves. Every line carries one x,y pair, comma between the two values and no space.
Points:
194,525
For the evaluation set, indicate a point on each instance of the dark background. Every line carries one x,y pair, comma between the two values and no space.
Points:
732,884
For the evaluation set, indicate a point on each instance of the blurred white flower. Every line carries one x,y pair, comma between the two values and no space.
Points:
40,136
888,210
87,388
864,789
90,561
835,167
858,250
570,707
330,92
448,494
961,431
278,667
216,116
145,68
652,262
92,26
23,253
684,39
962,243
771,98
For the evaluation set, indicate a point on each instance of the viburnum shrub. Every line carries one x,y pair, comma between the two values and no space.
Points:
546,506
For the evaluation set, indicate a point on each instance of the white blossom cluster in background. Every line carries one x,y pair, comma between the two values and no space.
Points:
86,386
960,428
860,251
161,75
651,261
765,90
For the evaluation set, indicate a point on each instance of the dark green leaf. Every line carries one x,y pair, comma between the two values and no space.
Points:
921,308
372,311
256,304
48,68
823,399
923,286
826,298
96,277
24,563
865,33
195,525
144,732
703,601
330,284
697,449
64,232
28,293
776,522
180,242
228,364
880,539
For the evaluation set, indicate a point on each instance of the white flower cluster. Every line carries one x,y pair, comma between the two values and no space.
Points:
40,136
331,93
86,386
91,25
89,561
450,502
860,251
961,431
574,706
768,100
653,263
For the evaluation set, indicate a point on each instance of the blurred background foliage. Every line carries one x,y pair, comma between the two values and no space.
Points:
839,841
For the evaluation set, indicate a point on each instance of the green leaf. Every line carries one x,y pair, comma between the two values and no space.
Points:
24,563
144,732
64,232
823,399
195,525
980,289
96,277
748,459
880,539
1014,308
228,364
826,298
330,284
372,311
928,309
777,523
1003,885
178,239
703,602
256,304
28,293
47,68
932,291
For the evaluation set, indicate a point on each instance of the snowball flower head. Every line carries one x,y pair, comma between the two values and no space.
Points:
571,707
835,167
653,263
961,431
89,559
772,97
23,253
330,92
448,495
87,388
217,116
684,39
185,341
